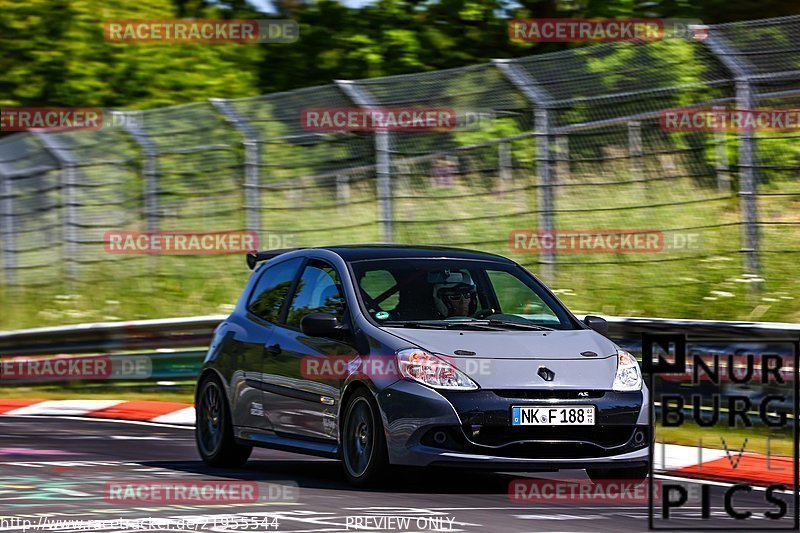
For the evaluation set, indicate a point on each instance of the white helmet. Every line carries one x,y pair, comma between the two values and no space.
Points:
449,287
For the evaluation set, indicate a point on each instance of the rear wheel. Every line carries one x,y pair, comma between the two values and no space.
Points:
214,428
636,474
363,442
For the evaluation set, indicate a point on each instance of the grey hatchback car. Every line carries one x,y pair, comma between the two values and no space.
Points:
425,356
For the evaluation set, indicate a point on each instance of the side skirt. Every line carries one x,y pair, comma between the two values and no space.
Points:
273,441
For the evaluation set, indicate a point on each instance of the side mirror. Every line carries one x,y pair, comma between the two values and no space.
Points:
598,324
319,325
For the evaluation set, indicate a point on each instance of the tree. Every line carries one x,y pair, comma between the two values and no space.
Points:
53,53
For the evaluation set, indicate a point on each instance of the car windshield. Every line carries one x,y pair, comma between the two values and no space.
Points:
456,293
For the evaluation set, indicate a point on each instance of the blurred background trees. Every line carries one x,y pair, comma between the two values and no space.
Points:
52,52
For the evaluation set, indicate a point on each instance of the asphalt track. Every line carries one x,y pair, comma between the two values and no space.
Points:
58,469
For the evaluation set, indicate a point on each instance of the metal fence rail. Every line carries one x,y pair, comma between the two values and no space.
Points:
564,141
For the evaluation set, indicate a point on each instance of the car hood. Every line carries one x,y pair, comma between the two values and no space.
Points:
513,359
511,344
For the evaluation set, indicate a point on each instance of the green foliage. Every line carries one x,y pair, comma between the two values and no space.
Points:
53,52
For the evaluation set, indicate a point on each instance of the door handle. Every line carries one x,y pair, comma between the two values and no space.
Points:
273,350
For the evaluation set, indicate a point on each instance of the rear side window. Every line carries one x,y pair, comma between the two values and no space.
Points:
272,289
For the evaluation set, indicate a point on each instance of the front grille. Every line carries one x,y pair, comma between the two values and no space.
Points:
549,394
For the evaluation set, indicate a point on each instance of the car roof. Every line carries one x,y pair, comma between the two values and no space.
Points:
360,252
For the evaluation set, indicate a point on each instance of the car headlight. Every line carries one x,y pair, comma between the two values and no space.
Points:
629,376
432,371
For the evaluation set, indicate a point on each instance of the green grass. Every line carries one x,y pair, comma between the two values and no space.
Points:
689,434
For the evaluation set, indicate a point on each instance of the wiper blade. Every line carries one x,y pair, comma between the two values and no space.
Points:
411,324
472,325
465,324
521,325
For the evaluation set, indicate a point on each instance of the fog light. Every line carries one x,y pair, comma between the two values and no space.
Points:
440,437
638,437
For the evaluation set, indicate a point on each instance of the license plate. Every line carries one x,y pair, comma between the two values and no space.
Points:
553,415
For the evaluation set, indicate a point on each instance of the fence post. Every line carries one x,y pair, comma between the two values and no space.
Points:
721,159
542,106
748,183
68,170
150,178
504,164
383,162
384,172
505,169
544,169
7,229
252,164
635,153
342,191
150,175
562,159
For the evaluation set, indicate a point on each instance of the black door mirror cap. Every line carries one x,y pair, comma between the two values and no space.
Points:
598,324
320,325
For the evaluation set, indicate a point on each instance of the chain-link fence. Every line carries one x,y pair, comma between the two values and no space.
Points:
572,141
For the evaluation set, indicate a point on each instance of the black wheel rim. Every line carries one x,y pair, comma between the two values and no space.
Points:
359,438
210,425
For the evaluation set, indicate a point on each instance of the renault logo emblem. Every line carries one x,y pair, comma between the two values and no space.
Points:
546,374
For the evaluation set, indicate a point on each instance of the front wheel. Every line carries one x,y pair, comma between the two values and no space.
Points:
363,441
214,428
636,474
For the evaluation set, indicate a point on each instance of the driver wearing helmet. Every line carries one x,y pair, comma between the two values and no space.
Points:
458,298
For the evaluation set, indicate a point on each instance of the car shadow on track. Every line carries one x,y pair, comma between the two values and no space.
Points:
328,474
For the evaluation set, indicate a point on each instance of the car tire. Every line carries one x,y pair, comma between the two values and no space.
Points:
214,428
364,455
635,474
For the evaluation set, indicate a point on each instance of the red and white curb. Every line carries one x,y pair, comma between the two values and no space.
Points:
668,459
718,465
180,414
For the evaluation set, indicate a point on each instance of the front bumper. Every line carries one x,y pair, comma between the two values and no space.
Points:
425,427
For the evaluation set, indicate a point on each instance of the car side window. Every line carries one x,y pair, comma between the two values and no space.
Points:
272,289
318,290
517,298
